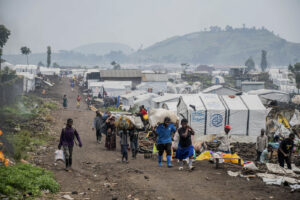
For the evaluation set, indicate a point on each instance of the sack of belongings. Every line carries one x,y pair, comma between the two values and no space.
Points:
158,115
124,123
59,155
136,121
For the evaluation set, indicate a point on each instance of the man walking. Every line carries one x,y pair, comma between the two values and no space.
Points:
285,151
67,142
97,124
261,143
164,141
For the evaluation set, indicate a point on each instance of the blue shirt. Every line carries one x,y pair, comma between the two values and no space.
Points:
264,157
165,133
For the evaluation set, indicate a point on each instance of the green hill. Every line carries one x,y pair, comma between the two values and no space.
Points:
222,47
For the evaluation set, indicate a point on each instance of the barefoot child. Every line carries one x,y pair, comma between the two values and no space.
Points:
185,148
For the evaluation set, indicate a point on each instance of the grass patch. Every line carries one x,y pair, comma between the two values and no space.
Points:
25,179
23,142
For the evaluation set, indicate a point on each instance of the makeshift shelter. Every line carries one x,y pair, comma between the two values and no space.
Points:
167,97
49,71
112,88
191,108
271,95
128,99
209,113
28,81
256,114
170,106
32,69
145,99
236,114
215,113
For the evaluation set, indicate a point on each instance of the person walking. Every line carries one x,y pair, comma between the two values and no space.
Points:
65,102
185,148
78,99
97,124
285,151
124,135
261,144
110,130
72,85
66,141
134,138
164,140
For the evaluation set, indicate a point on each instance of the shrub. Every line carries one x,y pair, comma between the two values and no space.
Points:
24,179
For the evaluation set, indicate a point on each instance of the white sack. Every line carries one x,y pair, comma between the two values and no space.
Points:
158,115
295,120
136,121
59,155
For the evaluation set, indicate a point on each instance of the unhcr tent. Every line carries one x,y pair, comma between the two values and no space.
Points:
215,113
256,114
209,113
191,108
236,114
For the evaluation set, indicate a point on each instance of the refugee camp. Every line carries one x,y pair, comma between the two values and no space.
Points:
149,100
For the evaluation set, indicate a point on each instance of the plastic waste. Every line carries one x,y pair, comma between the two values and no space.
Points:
59,155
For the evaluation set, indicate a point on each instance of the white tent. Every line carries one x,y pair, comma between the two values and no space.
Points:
170,106
28,81
128,99
49,71
236,114
167,97
265,95
32,69
256,116
145,99
191,108
112,88
215,113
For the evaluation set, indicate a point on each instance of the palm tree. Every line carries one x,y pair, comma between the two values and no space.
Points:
25,51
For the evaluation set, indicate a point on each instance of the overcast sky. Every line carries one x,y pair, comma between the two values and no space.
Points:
65,24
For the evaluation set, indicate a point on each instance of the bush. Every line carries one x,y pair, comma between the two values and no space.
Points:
24,179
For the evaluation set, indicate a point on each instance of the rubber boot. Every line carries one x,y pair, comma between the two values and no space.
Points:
169,161
159,160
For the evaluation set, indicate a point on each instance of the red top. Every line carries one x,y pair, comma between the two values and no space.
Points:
78,98
143,111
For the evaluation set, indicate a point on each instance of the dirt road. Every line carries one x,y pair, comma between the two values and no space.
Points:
99,174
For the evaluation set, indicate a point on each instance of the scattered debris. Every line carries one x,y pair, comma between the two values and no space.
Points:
66,196
234,174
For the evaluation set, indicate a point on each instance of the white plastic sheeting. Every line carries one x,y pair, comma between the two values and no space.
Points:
112,88
237,114
257,114
170,106
167,97
209,113
191,108
28,81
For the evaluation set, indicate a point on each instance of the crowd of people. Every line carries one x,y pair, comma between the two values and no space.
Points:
104,124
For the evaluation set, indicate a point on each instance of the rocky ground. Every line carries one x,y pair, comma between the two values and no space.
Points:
99,174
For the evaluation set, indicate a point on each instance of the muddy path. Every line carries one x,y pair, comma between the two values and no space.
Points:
99,174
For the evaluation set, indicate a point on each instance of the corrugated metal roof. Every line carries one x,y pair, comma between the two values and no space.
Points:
122,73
155,77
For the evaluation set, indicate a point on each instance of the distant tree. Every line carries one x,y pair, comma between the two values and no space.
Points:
55,65
296,71
40,64
215,28
264,62
250,64
4,35
25,51
48,56
115,65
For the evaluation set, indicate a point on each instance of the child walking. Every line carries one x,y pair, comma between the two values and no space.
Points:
124,135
